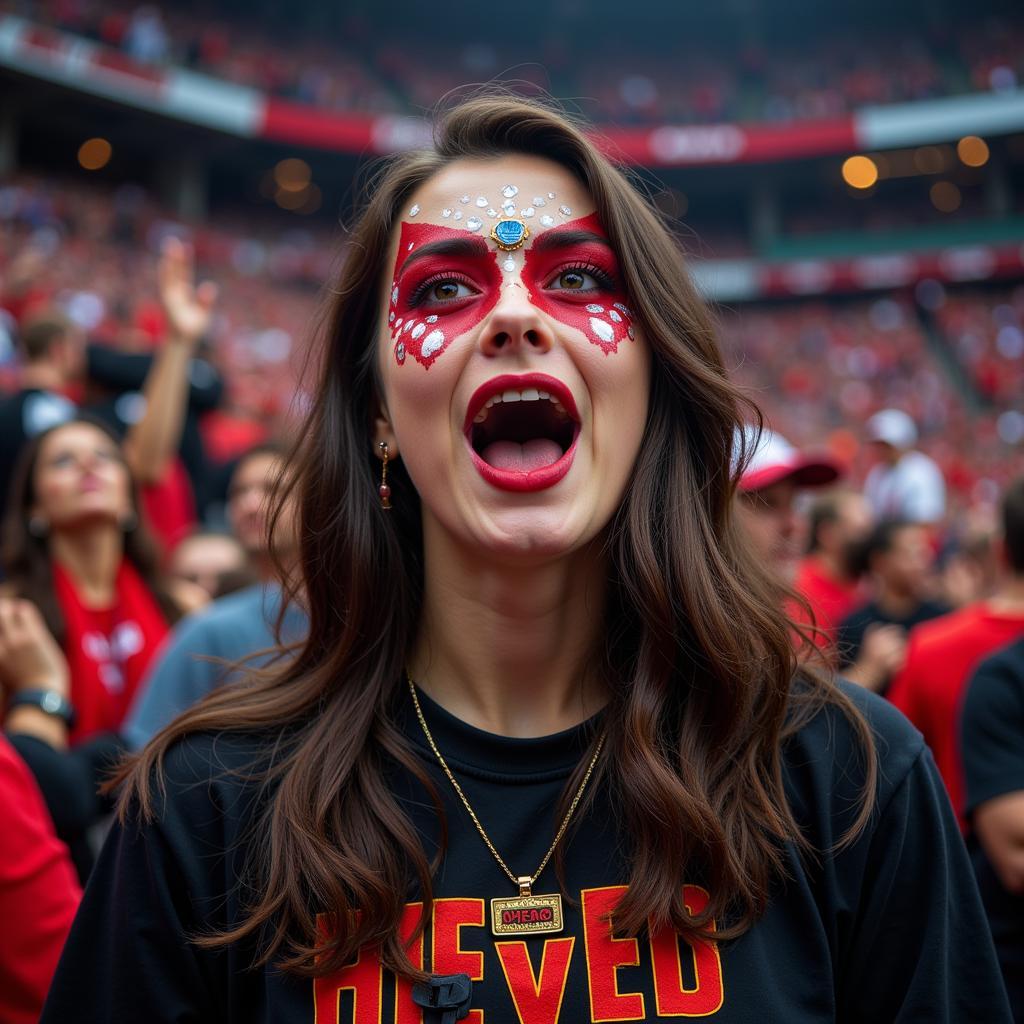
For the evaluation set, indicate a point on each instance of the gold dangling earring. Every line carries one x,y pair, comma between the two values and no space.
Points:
384,490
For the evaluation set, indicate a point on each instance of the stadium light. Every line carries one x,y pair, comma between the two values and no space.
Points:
94,154
860,172
973,151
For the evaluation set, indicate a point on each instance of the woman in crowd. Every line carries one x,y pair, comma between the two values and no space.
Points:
547,754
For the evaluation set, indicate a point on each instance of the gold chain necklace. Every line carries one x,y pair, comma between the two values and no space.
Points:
525,914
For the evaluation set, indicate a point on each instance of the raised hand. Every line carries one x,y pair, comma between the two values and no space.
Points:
188,307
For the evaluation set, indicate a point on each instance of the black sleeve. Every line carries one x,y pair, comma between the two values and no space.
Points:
70,779
156,886
920,948
127,371
849,637
993,729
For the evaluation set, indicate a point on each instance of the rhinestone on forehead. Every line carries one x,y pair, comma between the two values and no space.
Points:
539,201
509,207
509,264
492,212
510,234
474,223
464,200
551,195
547,220
528,212
565,211
481,202
458,215
446,212
510,191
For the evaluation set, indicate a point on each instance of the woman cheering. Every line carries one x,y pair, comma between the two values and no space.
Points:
546,754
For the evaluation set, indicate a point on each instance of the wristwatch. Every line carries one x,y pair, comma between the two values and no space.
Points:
51,701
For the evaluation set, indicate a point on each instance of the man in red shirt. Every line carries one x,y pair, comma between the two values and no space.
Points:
767,496
838,523
943,653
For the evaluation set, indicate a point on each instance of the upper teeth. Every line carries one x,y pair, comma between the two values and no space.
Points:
518,395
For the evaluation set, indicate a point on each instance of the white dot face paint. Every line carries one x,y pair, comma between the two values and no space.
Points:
413,210
432,343
418,331
614,316
593,307
602,331
394,294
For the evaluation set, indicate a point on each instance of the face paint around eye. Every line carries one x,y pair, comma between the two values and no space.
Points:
606,319
423,326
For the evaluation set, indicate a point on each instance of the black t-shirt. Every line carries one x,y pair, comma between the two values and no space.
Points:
993,749
850,634
888,929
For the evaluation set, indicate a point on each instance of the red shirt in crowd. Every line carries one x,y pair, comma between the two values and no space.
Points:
39,893
929,690
831,600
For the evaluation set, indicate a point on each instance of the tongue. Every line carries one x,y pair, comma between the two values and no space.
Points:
522,458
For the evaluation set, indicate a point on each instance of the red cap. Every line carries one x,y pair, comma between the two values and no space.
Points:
775,459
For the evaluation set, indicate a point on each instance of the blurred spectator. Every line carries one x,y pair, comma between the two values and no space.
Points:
767,496
905,484
897,561
943,653
828,577
993,745
54,352
38,894
205,649
75,548
213,560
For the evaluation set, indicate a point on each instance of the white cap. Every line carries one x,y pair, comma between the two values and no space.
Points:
892,426
775,459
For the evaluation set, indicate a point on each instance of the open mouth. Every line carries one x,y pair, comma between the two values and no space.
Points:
522,431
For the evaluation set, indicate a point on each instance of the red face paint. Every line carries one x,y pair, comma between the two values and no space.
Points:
600,312
422,325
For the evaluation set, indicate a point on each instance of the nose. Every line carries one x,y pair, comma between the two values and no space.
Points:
515,325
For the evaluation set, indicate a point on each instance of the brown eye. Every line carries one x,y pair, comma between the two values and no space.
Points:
445,290
572,280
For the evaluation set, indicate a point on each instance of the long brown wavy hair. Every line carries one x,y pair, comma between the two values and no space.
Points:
699,653
26,558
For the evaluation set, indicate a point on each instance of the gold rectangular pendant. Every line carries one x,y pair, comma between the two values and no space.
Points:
526,915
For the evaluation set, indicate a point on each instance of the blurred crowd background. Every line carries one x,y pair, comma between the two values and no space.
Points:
847,182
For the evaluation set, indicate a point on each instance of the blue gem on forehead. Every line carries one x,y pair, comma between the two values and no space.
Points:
510,234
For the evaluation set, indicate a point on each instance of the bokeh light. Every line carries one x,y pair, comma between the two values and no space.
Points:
973,151
945,196
292,175
94,154
860,172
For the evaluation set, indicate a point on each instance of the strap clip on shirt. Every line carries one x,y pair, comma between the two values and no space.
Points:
449,994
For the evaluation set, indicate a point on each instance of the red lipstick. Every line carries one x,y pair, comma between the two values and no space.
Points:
514,479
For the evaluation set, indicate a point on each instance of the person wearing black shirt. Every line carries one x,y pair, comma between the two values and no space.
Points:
545,754
993,749
897,559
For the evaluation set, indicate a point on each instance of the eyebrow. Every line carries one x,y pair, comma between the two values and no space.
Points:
447,247
562,238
